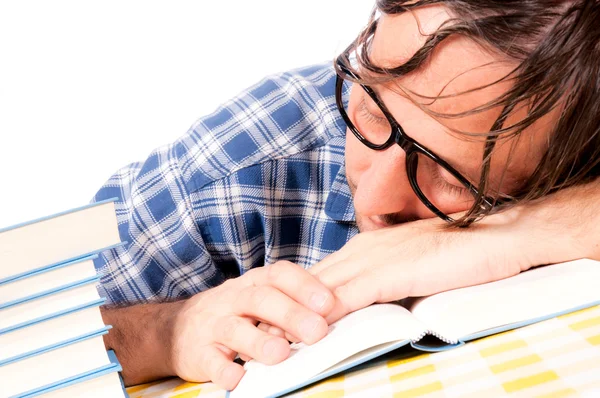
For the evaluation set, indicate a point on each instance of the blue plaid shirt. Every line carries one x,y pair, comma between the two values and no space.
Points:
259,180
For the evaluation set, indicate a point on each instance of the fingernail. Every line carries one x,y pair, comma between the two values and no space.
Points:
318,300
308,327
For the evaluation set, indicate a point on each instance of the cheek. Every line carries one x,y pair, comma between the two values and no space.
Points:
358,156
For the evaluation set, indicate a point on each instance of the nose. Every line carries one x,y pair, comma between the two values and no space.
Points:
383,188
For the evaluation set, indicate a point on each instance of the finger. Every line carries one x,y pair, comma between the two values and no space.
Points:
294,282
245,358
231,354
364,290
226,350
328,261
275,331
263,326
292,339
339,310
271,306
242,336
343,272
219,368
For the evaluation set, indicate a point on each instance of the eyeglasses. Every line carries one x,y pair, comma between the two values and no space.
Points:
436,183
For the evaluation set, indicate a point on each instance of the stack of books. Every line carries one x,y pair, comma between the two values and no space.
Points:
51,329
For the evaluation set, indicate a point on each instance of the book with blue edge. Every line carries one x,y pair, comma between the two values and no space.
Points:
103,382
51,329
436,323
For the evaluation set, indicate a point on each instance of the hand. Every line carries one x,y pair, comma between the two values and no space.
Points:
213,326
423,257
413,259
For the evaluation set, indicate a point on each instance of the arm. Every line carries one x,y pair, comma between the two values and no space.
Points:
422,258
166,259
561,227
197,339
142,336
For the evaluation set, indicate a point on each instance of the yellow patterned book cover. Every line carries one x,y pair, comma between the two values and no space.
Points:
559,357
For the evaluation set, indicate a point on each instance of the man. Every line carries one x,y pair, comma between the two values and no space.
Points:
458,110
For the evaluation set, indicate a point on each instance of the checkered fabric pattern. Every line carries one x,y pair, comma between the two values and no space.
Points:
259,180
559,357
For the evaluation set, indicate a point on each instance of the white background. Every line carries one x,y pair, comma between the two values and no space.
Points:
88,87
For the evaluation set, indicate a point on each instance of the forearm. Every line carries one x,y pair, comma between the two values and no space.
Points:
142,338
561,227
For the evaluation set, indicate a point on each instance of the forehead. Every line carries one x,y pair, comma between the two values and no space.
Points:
455,66
456,71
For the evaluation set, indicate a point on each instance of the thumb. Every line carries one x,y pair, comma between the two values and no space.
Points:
328,261
365,289
352,296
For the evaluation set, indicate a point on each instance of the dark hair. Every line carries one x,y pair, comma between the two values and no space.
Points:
556,44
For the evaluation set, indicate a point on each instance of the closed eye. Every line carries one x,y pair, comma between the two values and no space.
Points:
369,116
442,184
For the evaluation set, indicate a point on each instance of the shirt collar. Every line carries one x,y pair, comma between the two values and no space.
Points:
339,205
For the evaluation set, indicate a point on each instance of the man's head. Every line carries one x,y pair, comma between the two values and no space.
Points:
506,92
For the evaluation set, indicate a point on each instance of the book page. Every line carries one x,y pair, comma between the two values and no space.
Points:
539,292
49,367
358,331
47,241
47,305
105,386
50,332
46,281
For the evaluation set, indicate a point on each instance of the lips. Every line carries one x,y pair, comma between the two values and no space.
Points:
378,222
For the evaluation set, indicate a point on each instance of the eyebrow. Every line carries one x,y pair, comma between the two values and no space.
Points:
468,174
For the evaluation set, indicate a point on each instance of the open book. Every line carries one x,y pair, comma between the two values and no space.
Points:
452,317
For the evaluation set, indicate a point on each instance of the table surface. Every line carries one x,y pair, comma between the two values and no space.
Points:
556,358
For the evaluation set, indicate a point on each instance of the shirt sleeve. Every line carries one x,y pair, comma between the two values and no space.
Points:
164,255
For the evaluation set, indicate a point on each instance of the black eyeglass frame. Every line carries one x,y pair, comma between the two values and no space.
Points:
399,136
